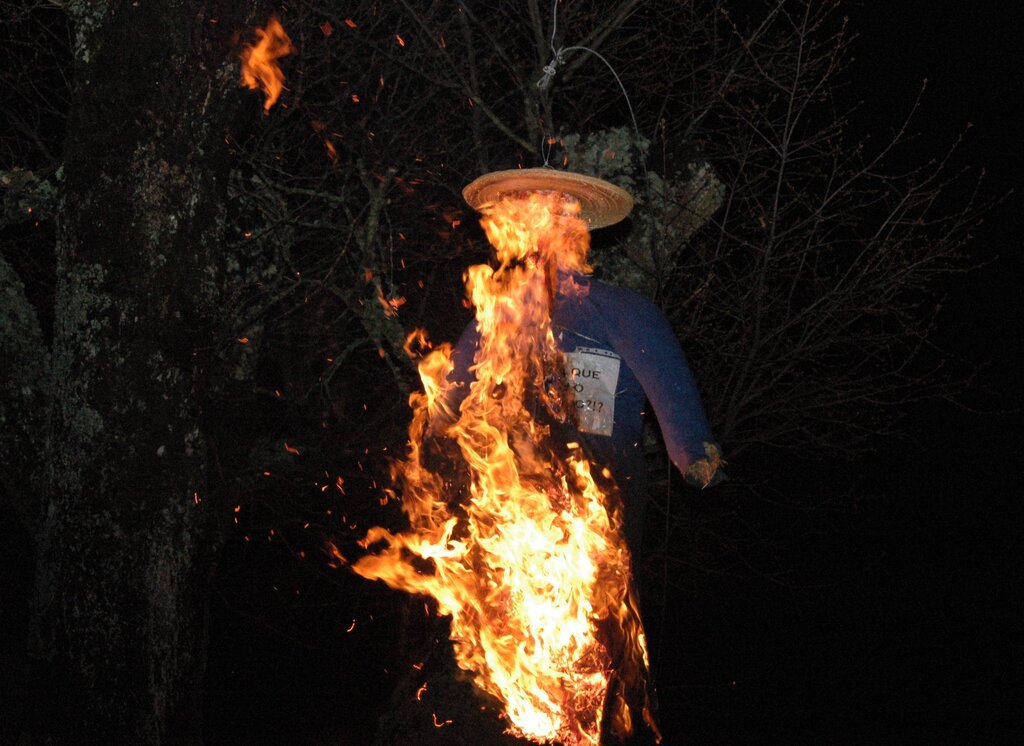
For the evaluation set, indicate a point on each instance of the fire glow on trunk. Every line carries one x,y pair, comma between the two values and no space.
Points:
514,538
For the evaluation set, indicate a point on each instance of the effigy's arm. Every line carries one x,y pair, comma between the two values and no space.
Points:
649,346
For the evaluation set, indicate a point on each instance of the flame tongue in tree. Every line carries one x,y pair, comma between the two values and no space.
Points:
259,61
528,560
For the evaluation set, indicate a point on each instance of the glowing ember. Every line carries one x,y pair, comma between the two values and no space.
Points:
259,61
515,539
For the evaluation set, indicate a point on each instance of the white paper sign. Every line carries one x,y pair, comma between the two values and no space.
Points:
593,377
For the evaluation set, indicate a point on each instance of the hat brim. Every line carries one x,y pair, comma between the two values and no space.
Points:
601,203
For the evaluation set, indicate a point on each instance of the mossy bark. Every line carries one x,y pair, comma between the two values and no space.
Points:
130,521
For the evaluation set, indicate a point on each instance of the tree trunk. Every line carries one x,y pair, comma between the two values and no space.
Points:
130,527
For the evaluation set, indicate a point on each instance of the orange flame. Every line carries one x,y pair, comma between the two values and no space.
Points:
526,555
259,61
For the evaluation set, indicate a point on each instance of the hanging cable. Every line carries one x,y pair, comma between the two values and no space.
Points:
558,59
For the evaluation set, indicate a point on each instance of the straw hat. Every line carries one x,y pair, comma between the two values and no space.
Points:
601,203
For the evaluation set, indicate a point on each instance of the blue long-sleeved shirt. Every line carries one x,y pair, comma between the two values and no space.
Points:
621,352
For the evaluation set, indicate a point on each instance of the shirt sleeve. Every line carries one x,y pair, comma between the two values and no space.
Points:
643,337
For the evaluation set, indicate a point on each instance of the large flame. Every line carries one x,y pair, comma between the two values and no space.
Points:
259,61
514,537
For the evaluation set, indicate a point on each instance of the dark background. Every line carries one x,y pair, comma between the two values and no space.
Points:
951,656
913,634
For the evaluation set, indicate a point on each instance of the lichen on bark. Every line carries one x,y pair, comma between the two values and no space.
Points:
25,382
669,208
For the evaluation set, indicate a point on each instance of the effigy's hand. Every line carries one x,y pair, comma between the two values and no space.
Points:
707,472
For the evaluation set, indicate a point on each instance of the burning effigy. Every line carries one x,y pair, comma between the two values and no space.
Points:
515,529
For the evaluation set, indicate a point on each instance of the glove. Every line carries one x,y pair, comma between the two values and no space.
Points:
706,472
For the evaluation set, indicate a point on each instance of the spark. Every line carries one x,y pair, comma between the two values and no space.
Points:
441,723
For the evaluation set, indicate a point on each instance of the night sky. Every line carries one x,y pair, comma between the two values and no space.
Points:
956,534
